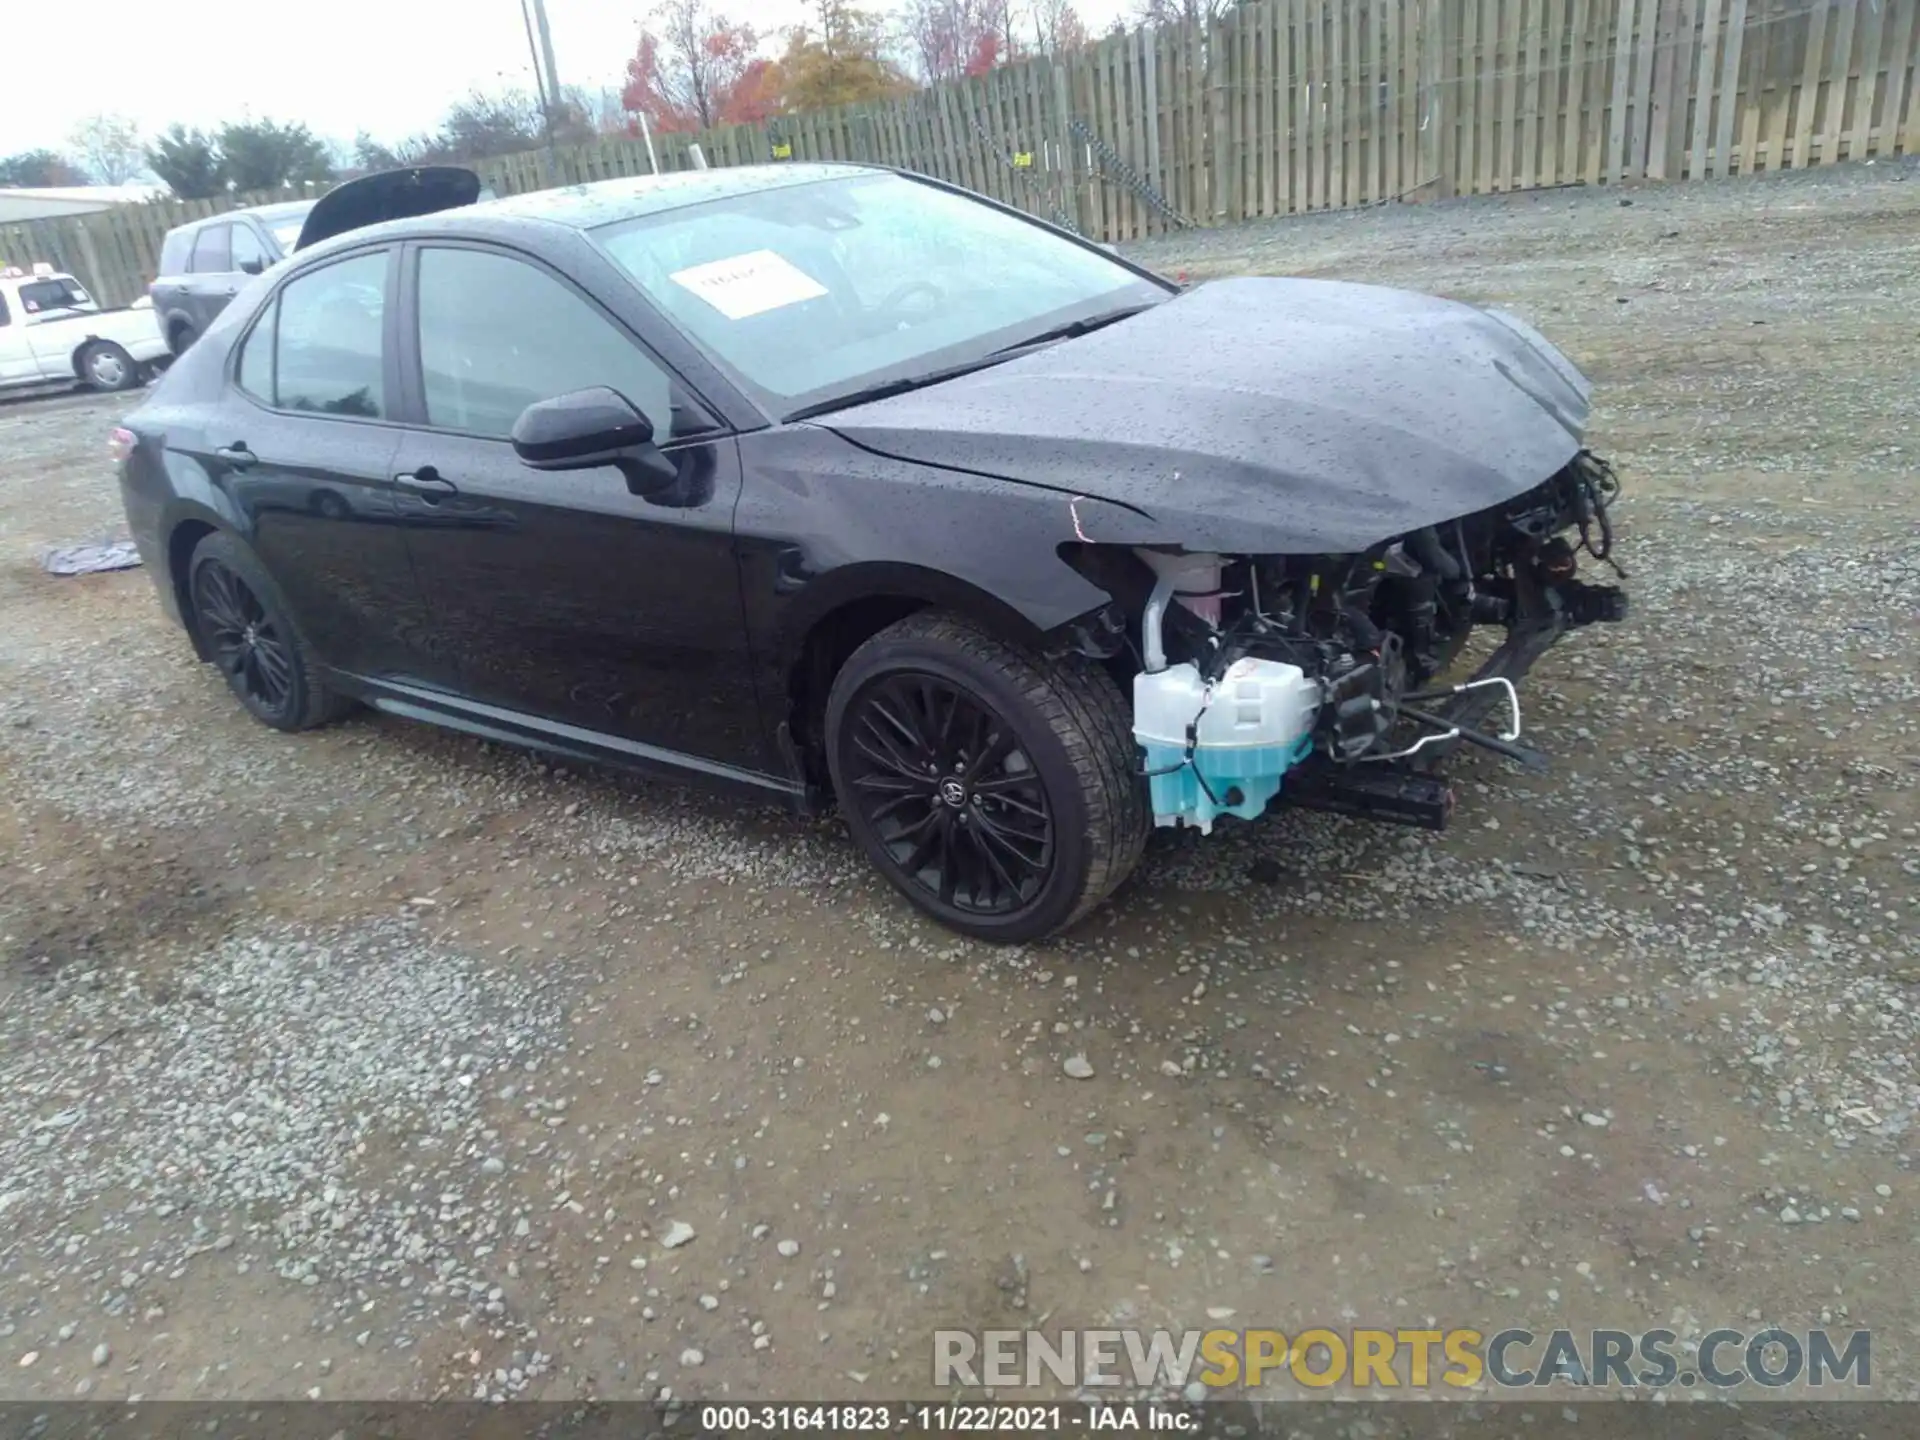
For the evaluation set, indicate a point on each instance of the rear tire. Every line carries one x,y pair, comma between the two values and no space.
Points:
996,788
247,628
179,336
108,367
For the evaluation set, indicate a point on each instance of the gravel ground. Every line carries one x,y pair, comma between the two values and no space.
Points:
378,1062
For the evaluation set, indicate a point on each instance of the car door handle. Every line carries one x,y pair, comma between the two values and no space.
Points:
237,455
428,483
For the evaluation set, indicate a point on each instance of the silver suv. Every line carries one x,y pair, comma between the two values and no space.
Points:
204,263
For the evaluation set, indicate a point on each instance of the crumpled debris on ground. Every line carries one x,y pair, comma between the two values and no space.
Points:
90,559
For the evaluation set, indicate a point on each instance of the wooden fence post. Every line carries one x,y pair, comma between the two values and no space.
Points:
1672,62
1072,199
1735,41
1223,194
103,287
1154,175
1898,100
1439,41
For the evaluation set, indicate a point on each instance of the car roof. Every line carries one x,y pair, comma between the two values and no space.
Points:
585,207
605,202
278,210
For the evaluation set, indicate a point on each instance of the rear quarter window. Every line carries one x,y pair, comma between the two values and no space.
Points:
254,374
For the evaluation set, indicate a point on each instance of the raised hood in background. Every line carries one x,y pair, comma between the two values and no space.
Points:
389,195
1270,416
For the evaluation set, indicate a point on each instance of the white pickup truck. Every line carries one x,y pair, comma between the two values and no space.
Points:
53,331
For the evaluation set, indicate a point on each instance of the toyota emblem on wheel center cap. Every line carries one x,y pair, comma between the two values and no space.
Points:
953,792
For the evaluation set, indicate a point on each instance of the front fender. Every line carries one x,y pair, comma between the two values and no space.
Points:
822,523
819,596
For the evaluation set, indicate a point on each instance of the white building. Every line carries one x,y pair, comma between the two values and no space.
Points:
56,201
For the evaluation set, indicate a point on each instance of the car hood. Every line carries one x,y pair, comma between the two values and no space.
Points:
389,195
1269,416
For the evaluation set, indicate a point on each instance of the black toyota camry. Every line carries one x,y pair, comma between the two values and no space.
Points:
842,485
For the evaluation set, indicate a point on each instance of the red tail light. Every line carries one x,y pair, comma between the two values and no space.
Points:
120,444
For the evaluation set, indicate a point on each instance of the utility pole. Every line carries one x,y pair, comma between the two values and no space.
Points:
546,53
546,81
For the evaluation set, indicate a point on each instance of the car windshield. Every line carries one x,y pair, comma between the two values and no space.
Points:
285,232
809,292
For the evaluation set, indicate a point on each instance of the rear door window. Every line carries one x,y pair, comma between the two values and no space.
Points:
329,346
213,250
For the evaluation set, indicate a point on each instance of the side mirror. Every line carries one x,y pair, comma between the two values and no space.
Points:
252,267
585,429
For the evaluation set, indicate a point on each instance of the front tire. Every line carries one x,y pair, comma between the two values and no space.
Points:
244,623
994,787
179,336
108,367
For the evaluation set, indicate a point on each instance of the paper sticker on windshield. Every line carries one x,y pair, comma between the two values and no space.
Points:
750,284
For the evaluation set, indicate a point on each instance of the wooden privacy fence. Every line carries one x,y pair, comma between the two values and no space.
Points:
1282,106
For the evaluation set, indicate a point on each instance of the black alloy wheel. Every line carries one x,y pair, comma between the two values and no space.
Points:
948,792
996,788
245,629
247,647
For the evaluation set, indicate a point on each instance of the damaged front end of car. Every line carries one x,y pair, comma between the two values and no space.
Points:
1324,681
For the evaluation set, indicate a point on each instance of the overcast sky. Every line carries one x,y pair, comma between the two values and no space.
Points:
390,67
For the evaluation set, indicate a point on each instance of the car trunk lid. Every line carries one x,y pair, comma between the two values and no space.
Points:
389,195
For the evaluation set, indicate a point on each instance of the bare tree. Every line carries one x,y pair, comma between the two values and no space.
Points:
1009,47
1174,12
600,106
951,38
110,147
1057,27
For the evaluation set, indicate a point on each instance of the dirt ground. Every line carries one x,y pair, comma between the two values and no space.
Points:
381,1063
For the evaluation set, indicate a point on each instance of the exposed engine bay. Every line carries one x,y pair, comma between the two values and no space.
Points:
1321,679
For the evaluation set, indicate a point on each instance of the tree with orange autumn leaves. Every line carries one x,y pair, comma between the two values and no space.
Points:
839,59
695,67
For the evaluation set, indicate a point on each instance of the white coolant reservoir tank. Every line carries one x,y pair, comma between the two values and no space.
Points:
1254,725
